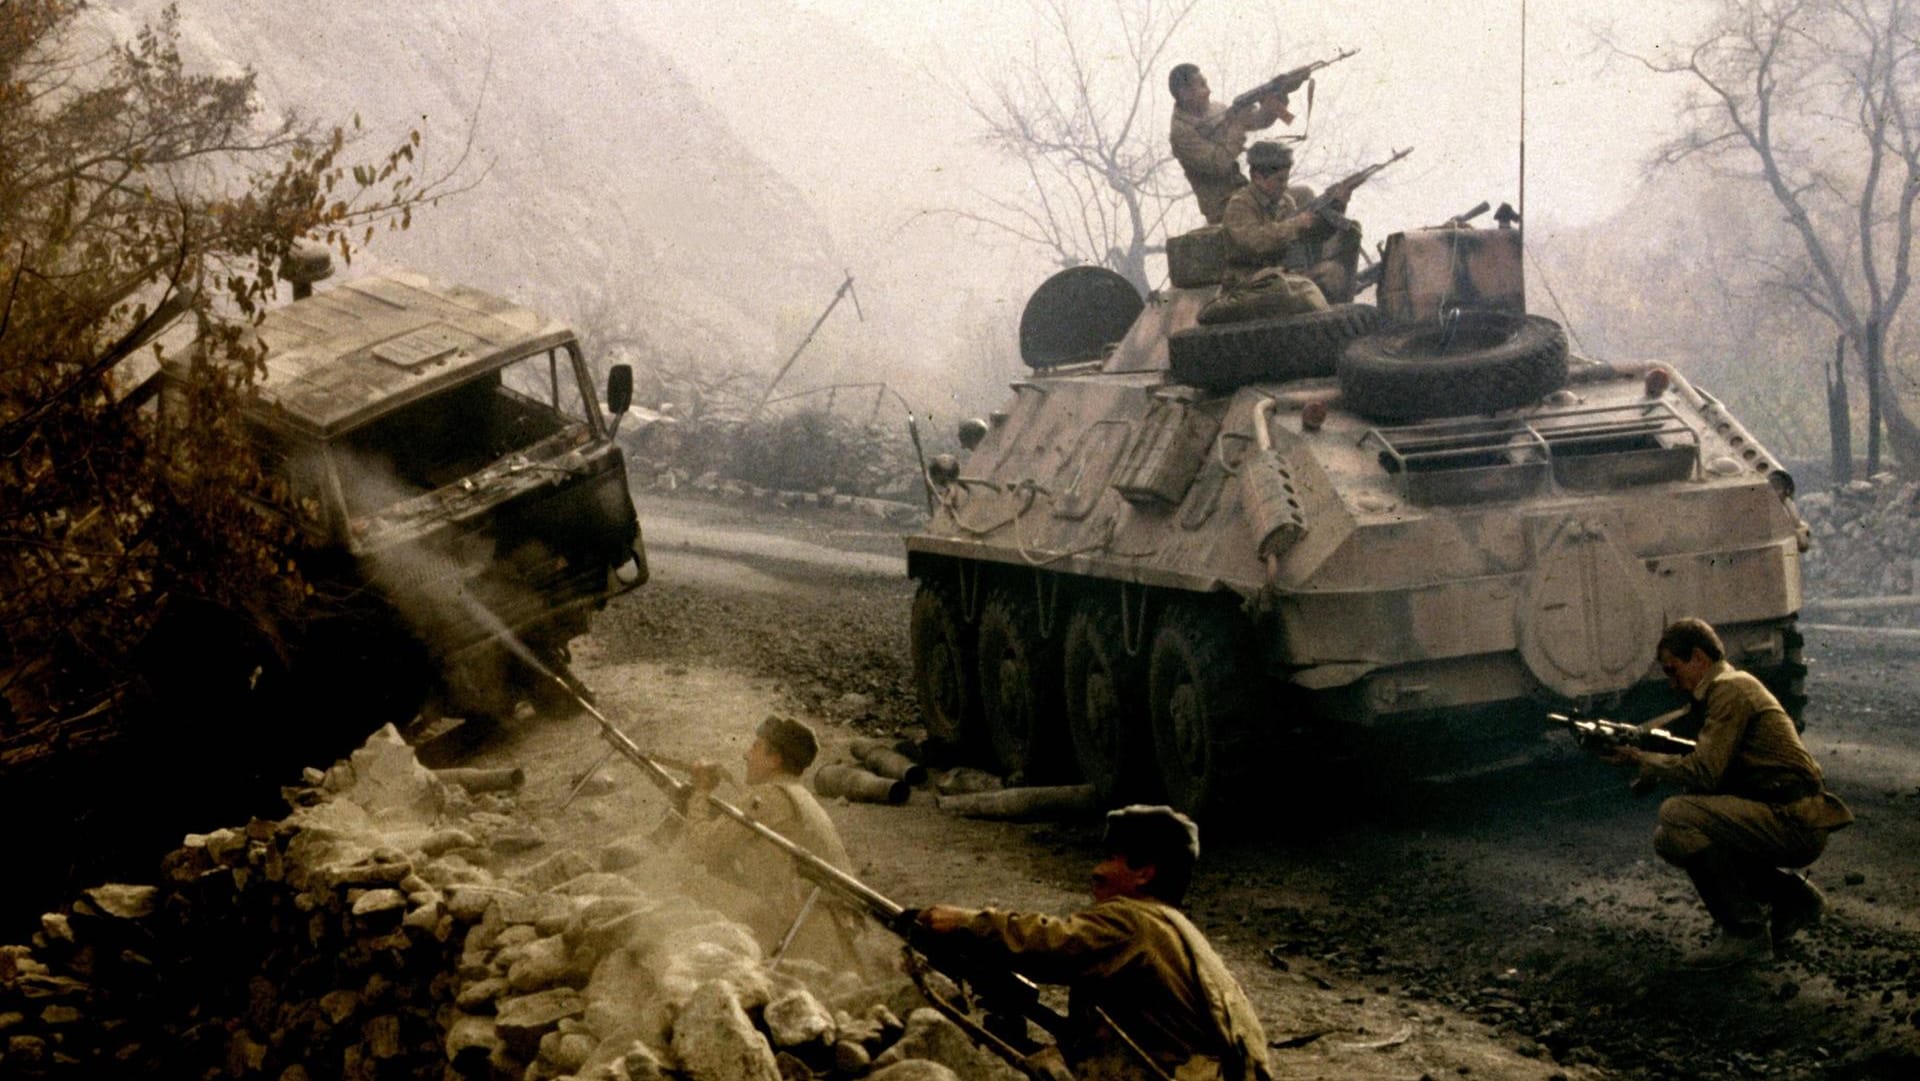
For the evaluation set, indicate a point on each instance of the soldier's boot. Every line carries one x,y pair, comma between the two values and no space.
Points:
1797,905
1722,880
1731,948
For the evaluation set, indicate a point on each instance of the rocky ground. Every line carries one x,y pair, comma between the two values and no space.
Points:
1515,926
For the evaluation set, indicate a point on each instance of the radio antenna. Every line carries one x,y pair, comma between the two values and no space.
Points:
1523,124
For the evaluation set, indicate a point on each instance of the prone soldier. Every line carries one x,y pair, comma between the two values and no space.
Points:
1145,986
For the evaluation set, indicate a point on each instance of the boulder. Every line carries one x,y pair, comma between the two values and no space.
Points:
931,1036
715,1041
796,1018
389,782
122,902
555,869
915,1069
540,964
522,1019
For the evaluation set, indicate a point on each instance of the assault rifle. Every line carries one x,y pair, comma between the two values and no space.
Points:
1599,735
1324,205
1280,85
1011,999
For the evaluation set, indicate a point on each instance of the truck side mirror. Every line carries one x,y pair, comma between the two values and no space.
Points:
619,388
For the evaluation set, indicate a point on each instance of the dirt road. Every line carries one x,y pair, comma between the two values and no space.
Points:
1512,927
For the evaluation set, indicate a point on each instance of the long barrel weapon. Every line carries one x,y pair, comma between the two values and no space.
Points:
1015,997
1280,85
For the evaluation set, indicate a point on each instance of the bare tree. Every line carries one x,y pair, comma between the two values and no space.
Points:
1078,115
135,192
1818,101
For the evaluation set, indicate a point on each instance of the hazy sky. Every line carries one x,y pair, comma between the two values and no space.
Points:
1442,76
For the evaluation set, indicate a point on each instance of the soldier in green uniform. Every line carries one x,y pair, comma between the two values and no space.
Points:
1755,802
1143,981
1207,137
781,751
1268,225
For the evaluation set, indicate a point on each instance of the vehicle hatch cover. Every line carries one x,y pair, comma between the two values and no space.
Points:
1075,315
1588,623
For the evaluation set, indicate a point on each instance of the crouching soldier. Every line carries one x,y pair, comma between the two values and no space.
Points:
1755,803
1275,242
785,911
1145,987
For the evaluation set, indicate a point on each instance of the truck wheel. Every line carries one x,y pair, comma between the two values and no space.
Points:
943,667
1019,689
1494,361
1302,346
1107,727
1197,681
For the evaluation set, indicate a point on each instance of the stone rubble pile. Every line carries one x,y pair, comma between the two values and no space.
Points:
385,929
1866,542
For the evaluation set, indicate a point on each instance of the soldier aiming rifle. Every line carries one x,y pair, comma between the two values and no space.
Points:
1285,238
1281,87
1208,138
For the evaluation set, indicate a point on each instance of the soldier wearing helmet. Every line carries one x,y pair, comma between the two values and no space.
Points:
1143,981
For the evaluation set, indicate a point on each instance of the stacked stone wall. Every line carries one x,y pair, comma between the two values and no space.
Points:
1866,542
376,933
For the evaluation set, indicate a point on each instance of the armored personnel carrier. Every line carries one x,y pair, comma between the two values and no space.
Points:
1179,543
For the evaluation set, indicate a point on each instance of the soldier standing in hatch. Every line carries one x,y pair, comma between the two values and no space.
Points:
1208,138
1268,225
1756,802
1137,970
781,751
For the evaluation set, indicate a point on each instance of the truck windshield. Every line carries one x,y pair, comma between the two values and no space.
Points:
439,440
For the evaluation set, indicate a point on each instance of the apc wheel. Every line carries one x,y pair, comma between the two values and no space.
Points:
1788,682
1105,724
1019,689
1494,361
1304,346
943,667
1197,695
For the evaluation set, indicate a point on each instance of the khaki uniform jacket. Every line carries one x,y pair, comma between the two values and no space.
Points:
1152,972
1261,227
1210,156
1747,747
731,852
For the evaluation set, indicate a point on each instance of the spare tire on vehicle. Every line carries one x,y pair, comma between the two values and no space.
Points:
1488,362
1302,346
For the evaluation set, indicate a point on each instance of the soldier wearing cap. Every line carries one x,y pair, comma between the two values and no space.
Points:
1208,138
781,751
1143,981
1267,225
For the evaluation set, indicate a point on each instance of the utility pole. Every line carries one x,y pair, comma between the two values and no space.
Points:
846,289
